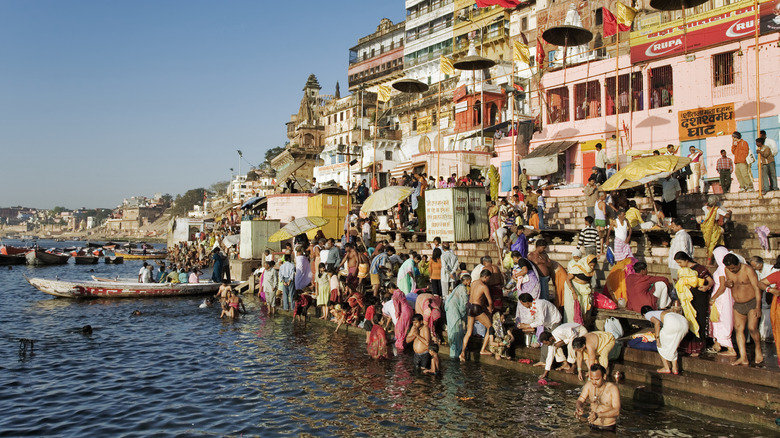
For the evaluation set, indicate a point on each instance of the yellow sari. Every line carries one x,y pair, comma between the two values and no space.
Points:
688,278
711,231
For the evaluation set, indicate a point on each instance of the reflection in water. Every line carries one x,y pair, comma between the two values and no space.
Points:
179,370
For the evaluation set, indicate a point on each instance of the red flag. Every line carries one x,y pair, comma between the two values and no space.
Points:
611,25
503,3
539,53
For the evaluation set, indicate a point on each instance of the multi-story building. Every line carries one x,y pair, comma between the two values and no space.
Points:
306,135
688,89
378,58
428,36
487,28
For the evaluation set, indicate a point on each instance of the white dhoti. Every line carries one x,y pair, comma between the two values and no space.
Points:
765,326
673,330
661,293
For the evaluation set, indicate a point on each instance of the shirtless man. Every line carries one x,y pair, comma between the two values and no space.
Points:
351,260
604,400
596,345
479,307
420,337
495,283
546,268
223,293
743,282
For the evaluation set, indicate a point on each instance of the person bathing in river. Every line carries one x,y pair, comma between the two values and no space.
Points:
604,398
480,305
420,338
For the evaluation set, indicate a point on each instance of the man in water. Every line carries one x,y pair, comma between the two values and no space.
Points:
351,260
604,400
478,308
743,282
420,338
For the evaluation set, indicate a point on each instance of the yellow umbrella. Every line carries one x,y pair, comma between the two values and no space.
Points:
298,226
386,198
645,170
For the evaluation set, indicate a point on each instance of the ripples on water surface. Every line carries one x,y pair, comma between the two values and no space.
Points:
178,370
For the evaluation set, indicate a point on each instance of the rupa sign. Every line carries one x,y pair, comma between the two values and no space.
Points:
721,25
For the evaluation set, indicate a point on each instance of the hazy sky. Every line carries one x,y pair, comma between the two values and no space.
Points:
102,100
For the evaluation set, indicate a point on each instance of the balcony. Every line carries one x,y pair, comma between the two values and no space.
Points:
427,57
379,75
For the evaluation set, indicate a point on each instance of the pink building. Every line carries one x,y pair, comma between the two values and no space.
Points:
667,94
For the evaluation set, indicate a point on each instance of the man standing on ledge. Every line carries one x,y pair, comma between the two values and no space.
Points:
743,281
604,400
740,149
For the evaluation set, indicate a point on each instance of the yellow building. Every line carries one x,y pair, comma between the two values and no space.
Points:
487,27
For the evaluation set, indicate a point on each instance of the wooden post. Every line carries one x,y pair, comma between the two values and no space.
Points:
617,101
757,25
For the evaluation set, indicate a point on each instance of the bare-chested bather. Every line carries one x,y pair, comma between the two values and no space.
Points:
743,282
604,398
479,308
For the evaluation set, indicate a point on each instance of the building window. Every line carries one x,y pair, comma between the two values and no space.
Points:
381,48
599,17
392,44
587,98
661,87
414,123
373,52
524,23
389,155
630,94
723,69
477,112
558,104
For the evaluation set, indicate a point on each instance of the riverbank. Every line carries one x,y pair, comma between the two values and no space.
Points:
738,400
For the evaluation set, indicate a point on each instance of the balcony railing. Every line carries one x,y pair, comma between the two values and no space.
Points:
371,77
424,10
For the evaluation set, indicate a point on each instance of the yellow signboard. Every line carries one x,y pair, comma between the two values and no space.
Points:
706,122
590,145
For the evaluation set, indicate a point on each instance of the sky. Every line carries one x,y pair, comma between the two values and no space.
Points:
104,100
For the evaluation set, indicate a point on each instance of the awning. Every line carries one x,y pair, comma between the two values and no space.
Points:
287,171
553,148
398,170
544,159
254,202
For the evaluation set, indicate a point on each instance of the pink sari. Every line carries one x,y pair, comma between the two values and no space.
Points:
721,330
403,313
377,343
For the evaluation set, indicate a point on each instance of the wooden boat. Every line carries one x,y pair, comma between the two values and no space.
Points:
8,260
103,289
138,256
38,257
86,259
12,250
114,260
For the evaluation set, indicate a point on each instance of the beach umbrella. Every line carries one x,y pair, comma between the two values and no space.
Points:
298,226
386,198
567,35
645,170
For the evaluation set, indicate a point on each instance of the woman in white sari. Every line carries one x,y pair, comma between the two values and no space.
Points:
724,303
670,328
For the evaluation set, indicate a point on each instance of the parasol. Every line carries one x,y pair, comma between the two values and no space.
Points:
567,35
298,226
410,86
645,170
386,198
474,62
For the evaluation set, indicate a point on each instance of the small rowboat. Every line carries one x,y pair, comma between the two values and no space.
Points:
101,289
37,257
85,260
148,256
114,260
12,250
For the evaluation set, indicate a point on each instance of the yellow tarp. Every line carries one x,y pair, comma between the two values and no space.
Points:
644,170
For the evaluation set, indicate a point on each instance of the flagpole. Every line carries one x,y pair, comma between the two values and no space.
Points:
376,133
757,25
617,102
512,121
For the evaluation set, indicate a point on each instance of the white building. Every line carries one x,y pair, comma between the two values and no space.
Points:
428,36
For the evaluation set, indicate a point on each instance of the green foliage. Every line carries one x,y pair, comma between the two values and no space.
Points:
219,187
184,203
270,154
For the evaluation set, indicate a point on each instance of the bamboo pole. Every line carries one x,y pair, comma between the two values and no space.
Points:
757,26
617,102
438,135
512,124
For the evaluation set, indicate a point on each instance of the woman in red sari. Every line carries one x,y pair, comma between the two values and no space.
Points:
403,318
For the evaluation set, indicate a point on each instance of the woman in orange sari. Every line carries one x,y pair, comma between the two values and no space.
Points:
771,285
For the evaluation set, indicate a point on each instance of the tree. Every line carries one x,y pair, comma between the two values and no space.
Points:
219,187
167,200
184,203
270,154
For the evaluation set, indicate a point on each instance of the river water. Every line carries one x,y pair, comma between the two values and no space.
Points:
178,370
